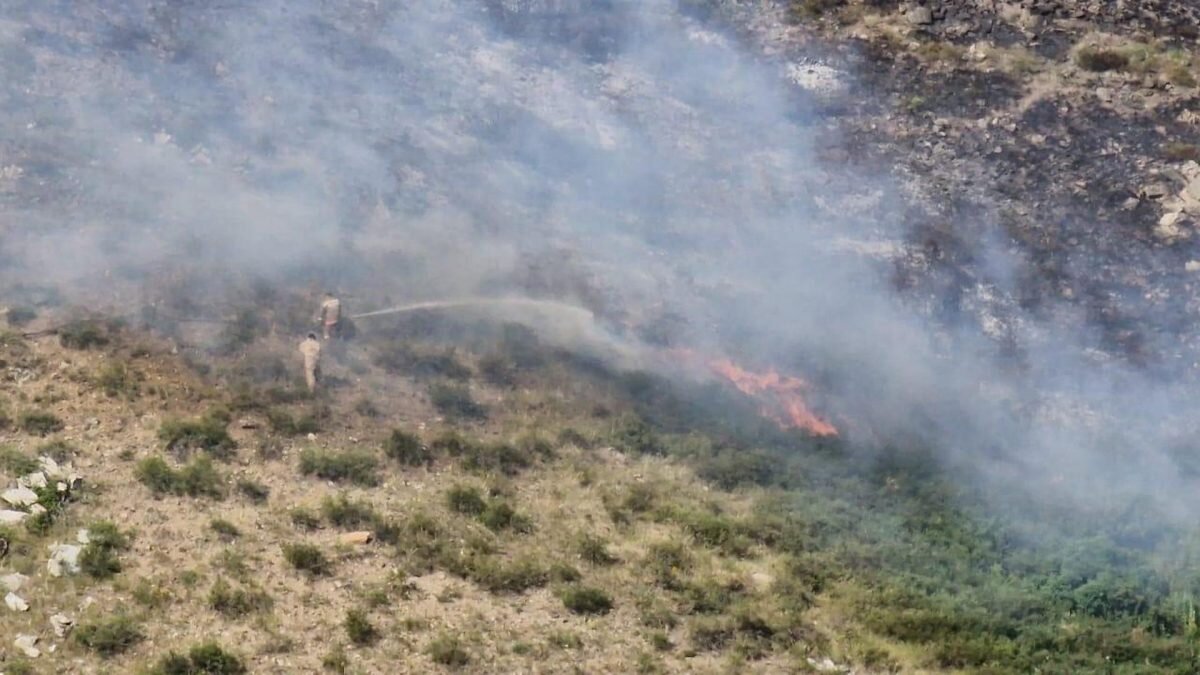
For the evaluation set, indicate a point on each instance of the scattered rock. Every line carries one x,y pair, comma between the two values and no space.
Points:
37,479
19,496
63,558
83,536
61,624
13,582
16,603
362,537
28,645
1155,191
920,16
1192,266
37,510
8,517
1172,227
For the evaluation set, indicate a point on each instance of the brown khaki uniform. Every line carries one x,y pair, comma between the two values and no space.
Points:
311,350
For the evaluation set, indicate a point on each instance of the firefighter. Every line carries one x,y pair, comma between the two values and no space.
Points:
330,315
310,348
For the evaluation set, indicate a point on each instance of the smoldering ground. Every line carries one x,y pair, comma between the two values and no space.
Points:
619,156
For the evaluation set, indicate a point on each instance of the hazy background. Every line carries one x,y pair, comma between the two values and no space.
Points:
615,155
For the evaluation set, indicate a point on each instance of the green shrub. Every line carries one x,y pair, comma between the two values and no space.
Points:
666,561
197,479
20,316
448,650
109,637
499,515
99,558
336,661
224,529
254,491
308,559
503,458
203,659
367,408
407,448
282,422
359,628
341,511
455,402
206,433
115,379
465,500
234,603
516,576
594,550
38,423
1099,60
353,466
564,573
586,600
305,520
16,463
58,450
84,335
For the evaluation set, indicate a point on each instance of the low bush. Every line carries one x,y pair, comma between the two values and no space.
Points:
109,637
308,559
84,335
343,512
586,600
305,519
465,500
403,358
455,402
16,463
594,550
282,422
352,466
39,423
116,379
100,557
199,478
20,316
407,449
1099,60
234,603
448,650
206,434
516,576
499,515
254,491
225,530
359,629
208,658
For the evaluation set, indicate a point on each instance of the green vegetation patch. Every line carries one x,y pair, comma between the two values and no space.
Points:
206,434
208,658
199,478
109,637
359,467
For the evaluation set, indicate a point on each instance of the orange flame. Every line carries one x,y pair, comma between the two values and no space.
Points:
782,396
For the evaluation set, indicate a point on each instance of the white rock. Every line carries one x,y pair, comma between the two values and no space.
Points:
19,496
16,603
37,510
8,517
13,582
1192,266
51,467
63,558
83,536
61,624
37,479
26,643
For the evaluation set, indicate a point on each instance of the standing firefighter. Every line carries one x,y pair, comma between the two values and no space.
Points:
311,349
330,315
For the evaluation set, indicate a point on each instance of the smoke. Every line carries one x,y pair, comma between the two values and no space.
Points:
617,155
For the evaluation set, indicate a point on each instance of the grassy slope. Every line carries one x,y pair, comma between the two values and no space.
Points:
734,547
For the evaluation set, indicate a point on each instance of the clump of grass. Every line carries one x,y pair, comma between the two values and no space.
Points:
367,408
594,550
234,603
407,448
500,515
40,423
565,640
401,357
359,629
151,594
352,466
57,449
455,402
196,479
109,637
335,660
586,600
1099,60
100,558
254,491
516,576
205,433
224,529
208,658
308,559
448,650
